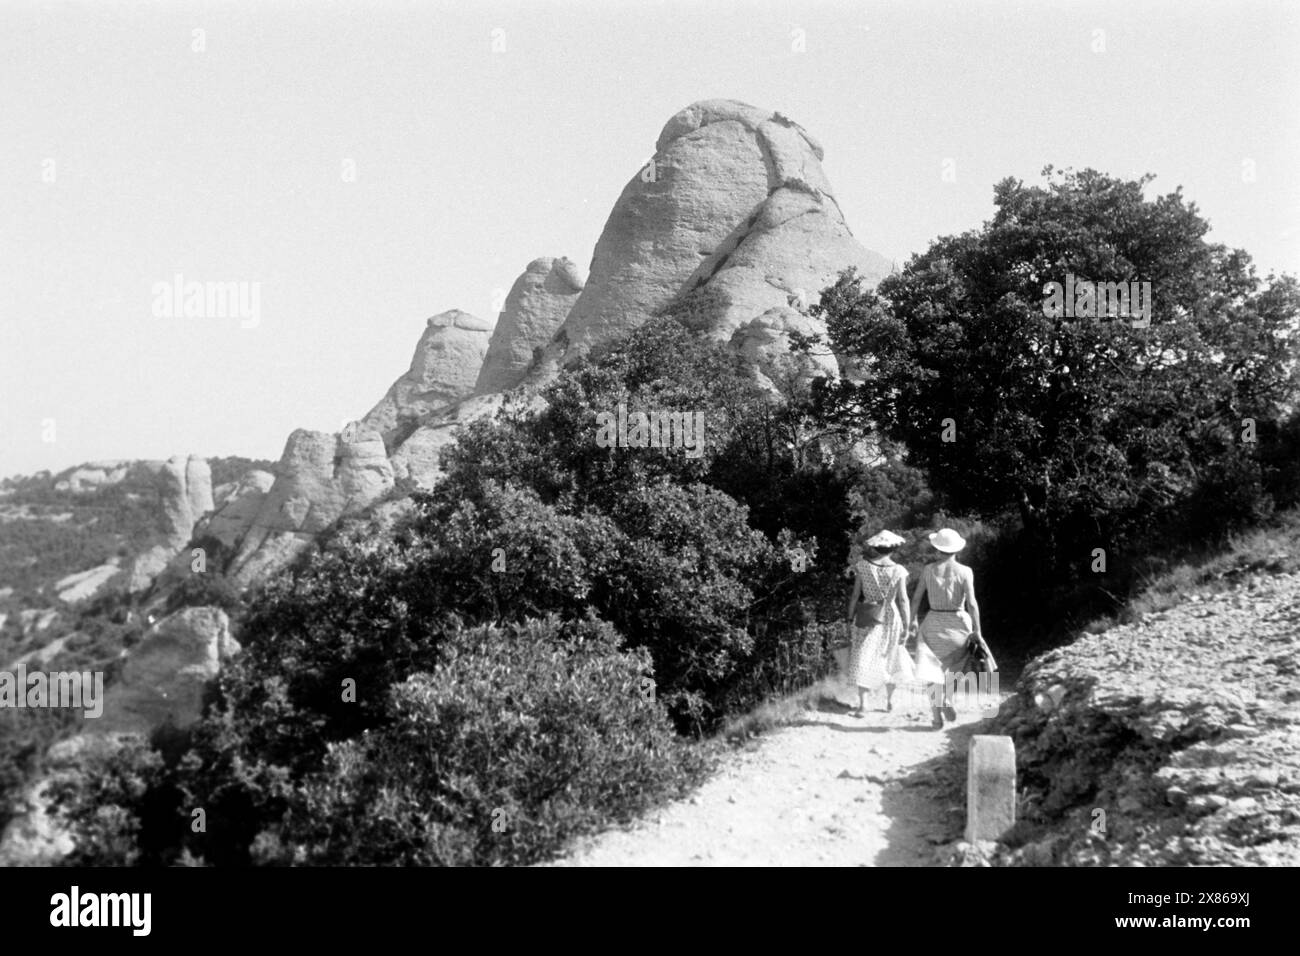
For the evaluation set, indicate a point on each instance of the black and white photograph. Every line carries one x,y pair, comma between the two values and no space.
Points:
560,434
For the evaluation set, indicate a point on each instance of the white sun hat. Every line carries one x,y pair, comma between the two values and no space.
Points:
947,541
885,539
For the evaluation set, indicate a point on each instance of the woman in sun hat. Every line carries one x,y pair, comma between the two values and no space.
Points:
952,619
878,619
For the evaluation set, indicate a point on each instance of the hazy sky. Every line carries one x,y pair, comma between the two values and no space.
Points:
128,156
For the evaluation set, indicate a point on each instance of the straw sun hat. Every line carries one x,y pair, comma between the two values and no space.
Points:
947,541
885,539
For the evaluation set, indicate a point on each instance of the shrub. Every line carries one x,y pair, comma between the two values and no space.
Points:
675,569
207,589
103,796
520,739
784,662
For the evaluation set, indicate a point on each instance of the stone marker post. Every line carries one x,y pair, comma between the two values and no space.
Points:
990,788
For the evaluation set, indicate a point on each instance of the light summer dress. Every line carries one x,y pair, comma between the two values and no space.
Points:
869,653
946,626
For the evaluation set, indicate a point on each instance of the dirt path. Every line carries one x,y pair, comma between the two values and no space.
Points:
828,790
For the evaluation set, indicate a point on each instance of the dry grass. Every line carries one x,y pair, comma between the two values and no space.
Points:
778,712
1270,549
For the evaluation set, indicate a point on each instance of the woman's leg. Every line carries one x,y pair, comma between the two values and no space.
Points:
889,698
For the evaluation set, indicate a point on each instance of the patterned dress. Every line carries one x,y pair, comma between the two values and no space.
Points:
946,626
869,652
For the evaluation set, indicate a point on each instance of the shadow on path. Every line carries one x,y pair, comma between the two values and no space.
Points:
927,807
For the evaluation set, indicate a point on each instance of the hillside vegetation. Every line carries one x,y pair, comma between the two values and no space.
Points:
531,650
51,528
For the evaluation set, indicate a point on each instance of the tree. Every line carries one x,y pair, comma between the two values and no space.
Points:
1086,427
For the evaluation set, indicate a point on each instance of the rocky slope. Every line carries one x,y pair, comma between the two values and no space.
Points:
164,676
1183,730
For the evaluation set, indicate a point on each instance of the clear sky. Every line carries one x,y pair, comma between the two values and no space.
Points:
128,156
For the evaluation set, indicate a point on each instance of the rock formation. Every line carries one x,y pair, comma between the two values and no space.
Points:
86,584
764,342
320,478
164,676
185,495
237,506
445,367
732,217
732,227
538,303
417,458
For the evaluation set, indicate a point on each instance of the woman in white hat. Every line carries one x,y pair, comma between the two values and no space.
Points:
950,622
878,619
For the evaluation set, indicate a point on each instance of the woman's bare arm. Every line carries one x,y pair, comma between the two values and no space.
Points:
973,605
900,597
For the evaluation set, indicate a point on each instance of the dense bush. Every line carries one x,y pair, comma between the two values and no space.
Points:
519,739
25,735
675,569
652,540
785,661
103,797
515,740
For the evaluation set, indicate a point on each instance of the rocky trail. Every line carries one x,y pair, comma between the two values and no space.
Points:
825,790
1180,727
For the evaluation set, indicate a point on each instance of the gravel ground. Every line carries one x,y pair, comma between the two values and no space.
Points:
1174,740
828,790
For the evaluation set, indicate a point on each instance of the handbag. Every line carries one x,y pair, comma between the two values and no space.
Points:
868,615
976,659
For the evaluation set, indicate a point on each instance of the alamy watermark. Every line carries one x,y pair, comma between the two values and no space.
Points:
58,689
77,909
1082,299
965,691
655,429
179,299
